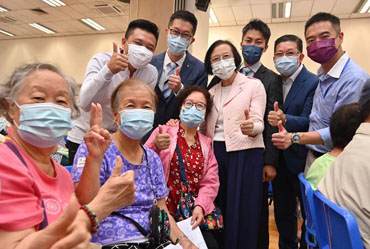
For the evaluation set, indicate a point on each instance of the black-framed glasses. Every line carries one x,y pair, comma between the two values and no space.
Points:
289,53
184,35
199,105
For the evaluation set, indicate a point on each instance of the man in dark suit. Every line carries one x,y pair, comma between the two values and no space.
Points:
176,66
298,89
256,35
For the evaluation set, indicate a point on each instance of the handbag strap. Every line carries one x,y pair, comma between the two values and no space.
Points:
137,225
182,167
16,152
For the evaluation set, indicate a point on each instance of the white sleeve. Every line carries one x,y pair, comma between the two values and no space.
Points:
153,80
96,77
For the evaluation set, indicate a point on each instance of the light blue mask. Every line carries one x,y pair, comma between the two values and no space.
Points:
191,117
2,123
136,123
177,45
286,65
43,124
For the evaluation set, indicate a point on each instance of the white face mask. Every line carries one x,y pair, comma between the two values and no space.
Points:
224,68
139,56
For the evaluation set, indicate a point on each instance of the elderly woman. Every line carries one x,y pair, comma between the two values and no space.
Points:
133,104
236,124
37,206
199,161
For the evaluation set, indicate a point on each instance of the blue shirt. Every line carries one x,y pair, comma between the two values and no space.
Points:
150,184
341,85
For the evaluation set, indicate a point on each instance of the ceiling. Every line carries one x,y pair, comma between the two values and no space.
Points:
239,12
64,20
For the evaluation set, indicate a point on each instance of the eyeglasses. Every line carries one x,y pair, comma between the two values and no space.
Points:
199,105
289,53
175,32
218,58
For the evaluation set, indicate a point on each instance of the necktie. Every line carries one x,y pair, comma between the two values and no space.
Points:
166,91
245,71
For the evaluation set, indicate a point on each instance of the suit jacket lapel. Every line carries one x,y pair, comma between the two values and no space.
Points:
297,85
216,92
187,66
260,72
236,88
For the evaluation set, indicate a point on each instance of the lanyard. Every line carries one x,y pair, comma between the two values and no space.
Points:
327,89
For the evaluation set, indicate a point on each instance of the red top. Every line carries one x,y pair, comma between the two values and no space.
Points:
193,162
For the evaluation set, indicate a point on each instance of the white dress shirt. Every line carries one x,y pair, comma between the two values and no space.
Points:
253,68
287,84
98,86
167,67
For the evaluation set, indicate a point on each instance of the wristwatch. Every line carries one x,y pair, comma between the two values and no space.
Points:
296,138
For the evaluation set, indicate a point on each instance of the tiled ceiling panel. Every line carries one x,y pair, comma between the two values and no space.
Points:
242,13
322,6
224,14
261,11
63,20
301,8
345,6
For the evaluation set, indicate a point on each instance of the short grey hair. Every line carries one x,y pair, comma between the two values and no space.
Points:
11,89
115,97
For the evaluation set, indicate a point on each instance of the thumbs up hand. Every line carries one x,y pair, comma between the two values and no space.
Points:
282,140
247,125
174,81
119,61
276,115
162,140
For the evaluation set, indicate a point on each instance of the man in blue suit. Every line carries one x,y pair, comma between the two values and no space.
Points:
176,67
298,89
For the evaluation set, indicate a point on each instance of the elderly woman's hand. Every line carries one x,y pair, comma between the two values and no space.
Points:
198,217
97,139
247,125
162,140
172,122
187,244
118,191
71,230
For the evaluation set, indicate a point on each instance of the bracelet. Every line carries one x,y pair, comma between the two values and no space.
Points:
92,216
179,239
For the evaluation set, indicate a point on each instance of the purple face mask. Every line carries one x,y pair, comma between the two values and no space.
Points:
322,51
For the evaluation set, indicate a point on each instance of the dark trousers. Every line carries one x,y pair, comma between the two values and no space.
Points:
286,189
72,149
239,196
263,232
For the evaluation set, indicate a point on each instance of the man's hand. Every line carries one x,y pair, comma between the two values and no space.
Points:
118,62
269,173
174,81
283,139
276,115
198,217
162,140
247,125
97,139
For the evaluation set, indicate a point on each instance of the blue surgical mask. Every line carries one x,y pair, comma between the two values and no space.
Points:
191,117
136,123
2,123
43,124
286,65
251,53
177,45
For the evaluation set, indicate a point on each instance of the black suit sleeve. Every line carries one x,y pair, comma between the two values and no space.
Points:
202,80
274,92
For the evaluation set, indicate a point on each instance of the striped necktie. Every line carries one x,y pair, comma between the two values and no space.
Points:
166,91
245,71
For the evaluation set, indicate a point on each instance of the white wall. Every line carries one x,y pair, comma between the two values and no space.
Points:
356,40
70,53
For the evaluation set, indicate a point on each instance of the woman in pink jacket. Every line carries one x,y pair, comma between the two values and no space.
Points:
196,149
236,124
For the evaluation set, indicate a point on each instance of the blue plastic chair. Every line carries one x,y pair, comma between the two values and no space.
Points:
337,228
307,198
69,168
